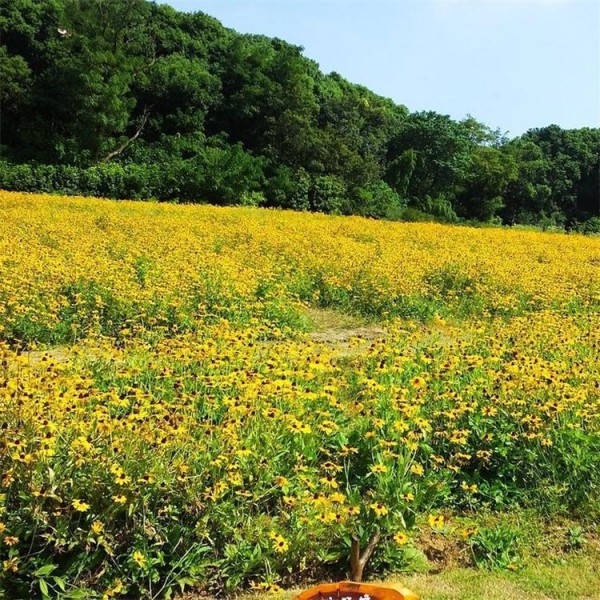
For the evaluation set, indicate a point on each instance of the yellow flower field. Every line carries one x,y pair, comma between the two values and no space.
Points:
190,430
95,264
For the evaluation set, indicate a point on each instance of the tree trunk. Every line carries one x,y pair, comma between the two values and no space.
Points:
358,561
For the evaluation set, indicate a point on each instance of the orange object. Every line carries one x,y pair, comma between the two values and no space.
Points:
348,590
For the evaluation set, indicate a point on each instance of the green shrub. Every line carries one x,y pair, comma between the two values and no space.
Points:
591,226
377,199
410,215
327,194
496,547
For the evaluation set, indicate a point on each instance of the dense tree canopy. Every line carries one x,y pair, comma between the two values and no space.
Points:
131,98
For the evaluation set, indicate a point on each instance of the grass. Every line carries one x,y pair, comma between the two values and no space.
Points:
556,565
574,577
559,563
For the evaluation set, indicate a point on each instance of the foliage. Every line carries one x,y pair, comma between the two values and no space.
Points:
375,200
591,226
496,547
90,89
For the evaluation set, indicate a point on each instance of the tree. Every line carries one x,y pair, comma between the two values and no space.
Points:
483,193
557,175
441,159
159,102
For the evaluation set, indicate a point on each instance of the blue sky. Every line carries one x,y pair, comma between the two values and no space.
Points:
513,64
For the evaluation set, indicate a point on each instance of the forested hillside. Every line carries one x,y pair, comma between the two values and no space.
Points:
131,99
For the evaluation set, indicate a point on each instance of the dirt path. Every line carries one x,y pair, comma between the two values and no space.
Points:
346,334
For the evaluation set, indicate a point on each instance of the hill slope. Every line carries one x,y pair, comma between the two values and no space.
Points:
136,100
191,431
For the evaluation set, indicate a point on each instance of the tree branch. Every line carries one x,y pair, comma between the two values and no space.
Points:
132,139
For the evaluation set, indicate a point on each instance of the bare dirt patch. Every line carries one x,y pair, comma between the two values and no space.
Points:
443,552
56,355
35,358
346,334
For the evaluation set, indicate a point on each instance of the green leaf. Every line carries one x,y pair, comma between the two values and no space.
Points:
45,570
61,583
186,581
44,587
77,594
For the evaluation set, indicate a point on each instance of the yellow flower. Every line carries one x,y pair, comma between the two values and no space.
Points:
280,544
379,509
97,527
436,521
11,565
139,558
265,586
337,497
11,540
122,479
401,538
115,589
330,481
417,469
468,532
379,468
80,506
418,382
147,478
120,499
347,450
